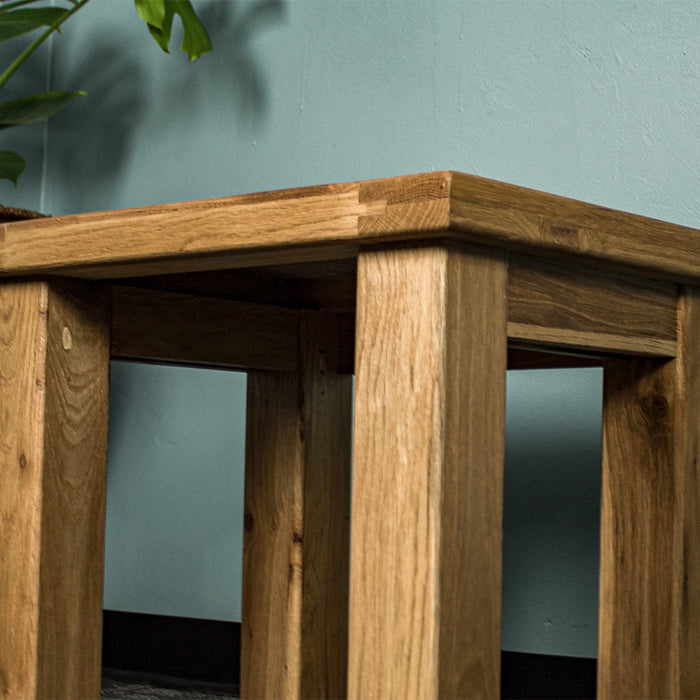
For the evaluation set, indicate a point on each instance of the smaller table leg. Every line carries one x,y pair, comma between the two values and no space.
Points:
425,593
690,458
296,530
645,445
54,371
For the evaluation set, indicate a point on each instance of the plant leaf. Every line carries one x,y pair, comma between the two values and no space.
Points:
196,39
20,22
161,32
34,108
159,14
12,165
151,12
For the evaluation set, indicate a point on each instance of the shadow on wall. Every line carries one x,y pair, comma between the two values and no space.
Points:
93,132
28,139
236,71
94,135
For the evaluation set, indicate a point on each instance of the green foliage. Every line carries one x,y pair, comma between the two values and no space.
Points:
12,165
34,108
159,14
17,18
20,22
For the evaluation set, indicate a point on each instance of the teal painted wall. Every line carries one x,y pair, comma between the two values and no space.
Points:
595,100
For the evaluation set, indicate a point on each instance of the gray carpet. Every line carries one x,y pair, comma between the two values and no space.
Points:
124,685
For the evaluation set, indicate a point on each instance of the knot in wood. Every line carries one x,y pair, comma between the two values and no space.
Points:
66,338
655,410
561,230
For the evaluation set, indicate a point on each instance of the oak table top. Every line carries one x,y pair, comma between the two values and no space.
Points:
331,222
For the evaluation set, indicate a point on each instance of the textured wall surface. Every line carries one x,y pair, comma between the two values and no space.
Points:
592,100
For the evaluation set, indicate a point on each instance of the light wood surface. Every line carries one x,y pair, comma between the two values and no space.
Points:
589,341
272,539
450,267
427,476
54,352
641,559
522,219
327,436
203,235
330,222
296,530
412,203
688,448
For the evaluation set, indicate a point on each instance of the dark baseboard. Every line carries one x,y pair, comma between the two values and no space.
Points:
547,677
206,650
209,650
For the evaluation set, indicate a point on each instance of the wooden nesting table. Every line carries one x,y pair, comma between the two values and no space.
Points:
426,287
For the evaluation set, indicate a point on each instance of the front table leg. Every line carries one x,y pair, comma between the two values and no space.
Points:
425,571
54,371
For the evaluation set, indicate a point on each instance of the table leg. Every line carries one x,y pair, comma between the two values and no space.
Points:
425,591
296,531
649,636
690,446
641,558
54,372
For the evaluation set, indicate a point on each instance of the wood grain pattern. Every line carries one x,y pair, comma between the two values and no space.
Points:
327,411
297,491
641,564
331,222
549,304
564,338
154,325
427,475
431,340
54,365
272,540
634,313
410,203
523,219
183,237
688,447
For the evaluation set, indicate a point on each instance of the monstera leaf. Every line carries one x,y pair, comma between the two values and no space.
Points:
159,14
